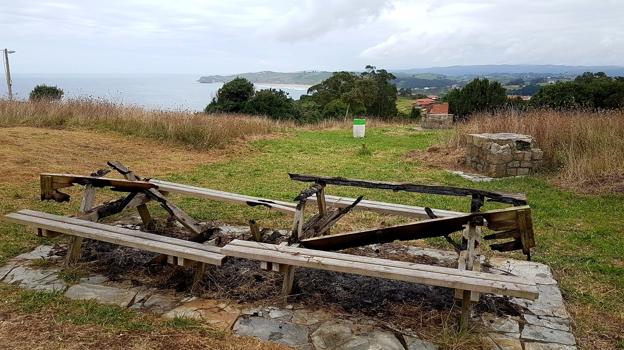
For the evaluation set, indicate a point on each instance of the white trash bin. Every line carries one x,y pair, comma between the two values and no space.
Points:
359,128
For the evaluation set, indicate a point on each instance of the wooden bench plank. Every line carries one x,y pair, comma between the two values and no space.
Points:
382,271
120,239
121,230
384,262
199,192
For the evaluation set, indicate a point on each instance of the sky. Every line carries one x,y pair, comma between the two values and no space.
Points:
235,36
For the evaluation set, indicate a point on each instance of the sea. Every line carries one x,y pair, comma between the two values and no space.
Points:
165,92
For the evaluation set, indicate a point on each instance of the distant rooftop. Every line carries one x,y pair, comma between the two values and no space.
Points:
439,108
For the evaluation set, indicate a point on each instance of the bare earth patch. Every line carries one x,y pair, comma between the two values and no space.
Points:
28,151
441,156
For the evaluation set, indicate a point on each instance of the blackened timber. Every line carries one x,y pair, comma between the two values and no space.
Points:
404,232
309,192
320,224
438,227
50,183
147,219
510,198
152,193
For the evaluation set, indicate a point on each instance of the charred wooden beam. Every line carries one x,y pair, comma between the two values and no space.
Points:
404,232
319,224
173,210
148,221
511,198
51,183
438,227
309,192
132,200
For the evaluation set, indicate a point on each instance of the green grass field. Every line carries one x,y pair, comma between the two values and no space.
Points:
580,236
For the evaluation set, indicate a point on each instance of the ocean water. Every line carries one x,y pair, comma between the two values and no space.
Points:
170,92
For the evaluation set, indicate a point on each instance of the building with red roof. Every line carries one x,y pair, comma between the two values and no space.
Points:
439,108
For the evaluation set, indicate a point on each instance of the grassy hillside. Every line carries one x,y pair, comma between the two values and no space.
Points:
579,235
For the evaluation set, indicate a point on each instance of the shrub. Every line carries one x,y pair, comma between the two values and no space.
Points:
46,93
335,108
231,97
477,96
273,103
416,113
588,90
309,111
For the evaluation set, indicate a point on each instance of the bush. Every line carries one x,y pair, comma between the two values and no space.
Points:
479,95
309,111
335,108
416,113
232,96
46,93
589,90
273,103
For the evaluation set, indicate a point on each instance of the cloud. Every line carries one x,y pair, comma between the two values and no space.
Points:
310,19
215,36
490,32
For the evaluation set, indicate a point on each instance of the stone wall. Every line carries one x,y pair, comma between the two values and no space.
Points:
502,154
437,121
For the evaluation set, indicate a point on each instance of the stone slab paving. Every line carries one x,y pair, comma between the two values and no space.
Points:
544,325
102,294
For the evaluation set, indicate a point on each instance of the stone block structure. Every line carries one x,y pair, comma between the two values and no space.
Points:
502,154
437,121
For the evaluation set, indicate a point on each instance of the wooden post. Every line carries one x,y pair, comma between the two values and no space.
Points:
473,235
298,222
88,202
465,312
144,213
255,231
200,270
289,279
320,200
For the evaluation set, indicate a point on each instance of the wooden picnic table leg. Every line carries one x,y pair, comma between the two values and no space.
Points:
469,259
200,270
88,202
289,279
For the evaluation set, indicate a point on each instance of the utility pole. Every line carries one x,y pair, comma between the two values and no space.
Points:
7,71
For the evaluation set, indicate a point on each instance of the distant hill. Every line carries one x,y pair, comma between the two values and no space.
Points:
268,77
514,69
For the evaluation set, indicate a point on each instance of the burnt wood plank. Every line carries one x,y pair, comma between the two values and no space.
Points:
416,230
51,183
438,227
511,198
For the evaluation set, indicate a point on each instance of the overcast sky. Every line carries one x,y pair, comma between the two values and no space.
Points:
233,36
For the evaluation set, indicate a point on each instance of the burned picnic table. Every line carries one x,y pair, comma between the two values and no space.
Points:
310,243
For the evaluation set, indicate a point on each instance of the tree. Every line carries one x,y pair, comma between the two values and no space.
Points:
335,108
589,90
370,92
273,103
386,94
232,96
478,95
46,93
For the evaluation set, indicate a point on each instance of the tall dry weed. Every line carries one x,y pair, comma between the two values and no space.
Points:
196,130
582,146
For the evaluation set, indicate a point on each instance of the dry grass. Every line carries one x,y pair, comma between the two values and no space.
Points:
27,151
347,123
195,130
585,148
